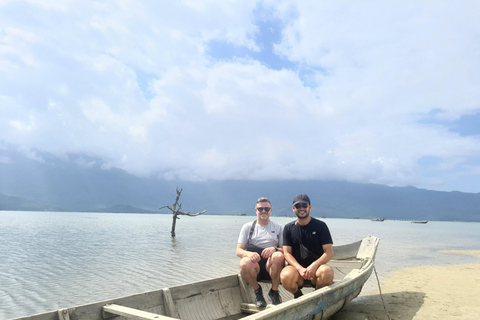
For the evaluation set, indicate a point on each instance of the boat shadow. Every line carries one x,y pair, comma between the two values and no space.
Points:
402,305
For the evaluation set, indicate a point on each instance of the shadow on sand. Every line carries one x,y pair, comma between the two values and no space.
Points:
400,306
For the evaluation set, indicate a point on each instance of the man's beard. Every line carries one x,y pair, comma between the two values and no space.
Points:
305,217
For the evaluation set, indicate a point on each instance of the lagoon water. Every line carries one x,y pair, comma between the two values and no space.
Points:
53,260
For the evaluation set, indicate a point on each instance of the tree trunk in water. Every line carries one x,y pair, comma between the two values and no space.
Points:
177,211
173,225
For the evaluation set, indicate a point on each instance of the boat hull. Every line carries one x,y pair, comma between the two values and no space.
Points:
230,297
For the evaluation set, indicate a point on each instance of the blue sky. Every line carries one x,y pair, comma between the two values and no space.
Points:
364,91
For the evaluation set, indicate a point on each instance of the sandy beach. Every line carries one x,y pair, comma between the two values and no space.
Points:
422,293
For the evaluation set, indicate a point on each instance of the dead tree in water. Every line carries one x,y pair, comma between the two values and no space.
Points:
177,211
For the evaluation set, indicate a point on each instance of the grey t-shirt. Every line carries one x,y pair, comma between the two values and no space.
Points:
270,235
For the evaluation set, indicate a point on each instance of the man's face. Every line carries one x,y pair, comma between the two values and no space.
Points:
302,210
261,210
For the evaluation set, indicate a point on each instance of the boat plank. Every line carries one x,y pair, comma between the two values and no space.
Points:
203,287
346,251
245,290
343,267
251,308
368,248
212,305
349,264
170,307
133,313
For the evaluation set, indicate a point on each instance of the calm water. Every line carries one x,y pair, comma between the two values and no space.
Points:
52,260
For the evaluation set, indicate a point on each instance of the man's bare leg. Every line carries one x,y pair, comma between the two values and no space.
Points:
249,271
323,276
291,279
274,265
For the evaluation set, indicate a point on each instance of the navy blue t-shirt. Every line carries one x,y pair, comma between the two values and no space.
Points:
313,236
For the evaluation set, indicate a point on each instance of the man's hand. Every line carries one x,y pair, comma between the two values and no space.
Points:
254,257
303,273
311,270
267,252
308,273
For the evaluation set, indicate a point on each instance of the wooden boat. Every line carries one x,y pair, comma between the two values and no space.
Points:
230,297
420,221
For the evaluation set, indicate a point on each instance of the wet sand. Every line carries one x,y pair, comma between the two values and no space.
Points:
422,293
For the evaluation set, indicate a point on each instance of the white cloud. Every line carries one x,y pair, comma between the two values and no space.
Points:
132,83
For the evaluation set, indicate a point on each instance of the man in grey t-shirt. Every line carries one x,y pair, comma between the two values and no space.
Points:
260,249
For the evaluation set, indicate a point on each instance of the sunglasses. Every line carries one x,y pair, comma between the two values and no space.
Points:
260,209
301,205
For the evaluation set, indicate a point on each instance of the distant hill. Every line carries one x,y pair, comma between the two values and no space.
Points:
18,203
119,208
71,185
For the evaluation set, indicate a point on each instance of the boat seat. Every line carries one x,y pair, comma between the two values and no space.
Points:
132,313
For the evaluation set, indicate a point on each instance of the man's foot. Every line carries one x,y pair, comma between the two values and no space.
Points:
259,299
298,294
274,296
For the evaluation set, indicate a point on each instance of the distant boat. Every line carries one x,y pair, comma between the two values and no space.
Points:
379,219
420,221
230,297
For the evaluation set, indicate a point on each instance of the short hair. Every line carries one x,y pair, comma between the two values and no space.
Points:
263,199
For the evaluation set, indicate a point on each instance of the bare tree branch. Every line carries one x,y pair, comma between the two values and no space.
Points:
192,214
176,212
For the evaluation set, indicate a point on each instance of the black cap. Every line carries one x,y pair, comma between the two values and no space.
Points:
301,198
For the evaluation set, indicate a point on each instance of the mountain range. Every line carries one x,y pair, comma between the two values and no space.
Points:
81,183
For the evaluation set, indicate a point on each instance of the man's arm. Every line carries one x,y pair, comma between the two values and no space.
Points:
287,252
242,253
324,258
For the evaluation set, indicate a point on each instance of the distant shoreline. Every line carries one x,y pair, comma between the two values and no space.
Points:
373,219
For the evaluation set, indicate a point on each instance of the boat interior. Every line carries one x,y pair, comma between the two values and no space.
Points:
228,297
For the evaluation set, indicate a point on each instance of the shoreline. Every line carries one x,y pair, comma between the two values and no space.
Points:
422,293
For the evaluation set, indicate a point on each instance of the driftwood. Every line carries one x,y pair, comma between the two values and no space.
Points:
176,211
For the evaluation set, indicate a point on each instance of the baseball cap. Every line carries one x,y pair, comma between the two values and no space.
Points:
301,198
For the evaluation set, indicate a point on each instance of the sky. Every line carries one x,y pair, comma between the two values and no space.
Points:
384,92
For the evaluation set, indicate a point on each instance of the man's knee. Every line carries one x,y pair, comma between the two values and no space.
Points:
277,259
326,270
288,275
325,274
247,264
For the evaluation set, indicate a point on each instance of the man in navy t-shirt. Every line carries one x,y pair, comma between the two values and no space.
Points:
307,246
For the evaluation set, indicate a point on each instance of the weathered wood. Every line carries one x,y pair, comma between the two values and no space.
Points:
251,308
347,251
245,290
63,314
368,248
151,301
170,308
342,267
346,264
198,288
133,313
210,299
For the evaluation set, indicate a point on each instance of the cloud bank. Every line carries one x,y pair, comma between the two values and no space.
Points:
264,90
